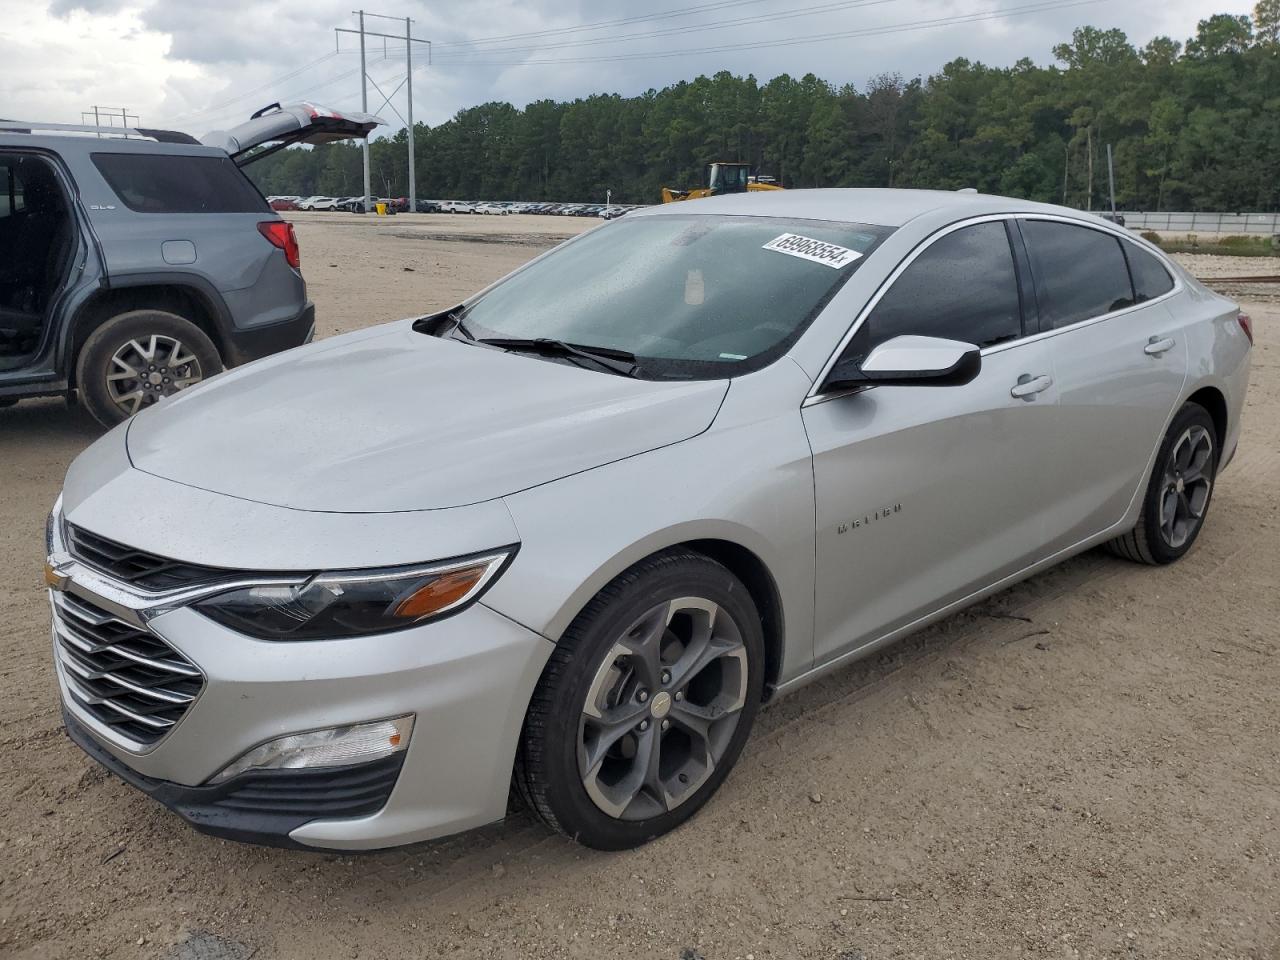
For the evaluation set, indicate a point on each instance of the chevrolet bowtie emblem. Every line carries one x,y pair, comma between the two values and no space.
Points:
54,577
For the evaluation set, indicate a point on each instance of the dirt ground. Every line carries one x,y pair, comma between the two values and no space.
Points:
1088,765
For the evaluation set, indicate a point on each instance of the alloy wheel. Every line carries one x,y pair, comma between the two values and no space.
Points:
147,368
662,708
1187,482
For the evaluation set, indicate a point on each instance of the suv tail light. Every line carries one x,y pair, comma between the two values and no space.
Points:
280,234
1246,324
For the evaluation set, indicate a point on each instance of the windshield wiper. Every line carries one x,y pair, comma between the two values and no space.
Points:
609,358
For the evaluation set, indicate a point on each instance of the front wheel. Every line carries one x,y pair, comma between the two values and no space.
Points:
135,359
1177,497
645,704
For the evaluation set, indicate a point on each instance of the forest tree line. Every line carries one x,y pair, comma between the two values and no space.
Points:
1192,126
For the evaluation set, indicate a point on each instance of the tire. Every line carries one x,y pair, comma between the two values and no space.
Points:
560,739
131,337
1173,484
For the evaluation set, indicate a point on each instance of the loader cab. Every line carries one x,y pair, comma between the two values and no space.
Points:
728,178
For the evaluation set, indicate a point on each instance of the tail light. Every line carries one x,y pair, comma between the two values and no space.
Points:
1246,324
280,234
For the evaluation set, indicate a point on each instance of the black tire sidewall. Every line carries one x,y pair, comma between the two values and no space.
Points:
1190,414
572,807
95,356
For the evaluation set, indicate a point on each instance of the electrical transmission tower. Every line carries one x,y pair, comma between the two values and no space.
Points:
409,40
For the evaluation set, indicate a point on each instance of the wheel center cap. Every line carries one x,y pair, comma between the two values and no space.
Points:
154,378
660,706
1180,485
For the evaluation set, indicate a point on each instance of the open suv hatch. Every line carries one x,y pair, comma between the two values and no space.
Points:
135,263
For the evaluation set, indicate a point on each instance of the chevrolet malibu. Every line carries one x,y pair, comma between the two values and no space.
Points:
568,536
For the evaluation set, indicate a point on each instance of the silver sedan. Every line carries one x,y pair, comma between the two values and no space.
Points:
573,532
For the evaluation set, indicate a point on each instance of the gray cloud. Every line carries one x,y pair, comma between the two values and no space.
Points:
215,56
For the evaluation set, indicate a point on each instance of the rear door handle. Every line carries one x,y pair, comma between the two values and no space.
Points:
1028,386
1158,345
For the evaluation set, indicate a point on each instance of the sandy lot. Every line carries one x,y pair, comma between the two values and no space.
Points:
1087,765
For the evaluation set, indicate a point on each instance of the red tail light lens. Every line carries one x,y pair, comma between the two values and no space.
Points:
281,235
1246,324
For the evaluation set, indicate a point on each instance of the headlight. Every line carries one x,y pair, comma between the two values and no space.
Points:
330,606
335,747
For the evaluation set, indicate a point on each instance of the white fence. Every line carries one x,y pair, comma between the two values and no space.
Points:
1267,224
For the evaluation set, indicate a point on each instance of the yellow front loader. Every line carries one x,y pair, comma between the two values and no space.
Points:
723,178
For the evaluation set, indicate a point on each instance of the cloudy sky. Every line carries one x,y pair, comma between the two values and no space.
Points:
198,66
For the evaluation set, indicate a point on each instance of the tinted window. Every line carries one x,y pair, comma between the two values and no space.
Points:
156,183
962,287
1150,278
1079,273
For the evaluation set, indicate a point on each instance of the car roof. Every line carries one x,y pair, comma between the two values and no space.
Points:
83,144
885,207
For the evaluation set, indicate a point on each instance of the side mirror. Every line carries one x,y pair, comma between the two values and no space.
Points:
909,361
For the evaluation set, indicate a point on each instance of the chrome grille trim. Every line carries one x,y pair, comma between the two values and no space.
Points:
124,677
139,568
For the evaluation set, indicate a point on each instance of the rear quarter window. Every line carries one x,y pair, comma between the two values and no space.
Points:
172,183
1150,278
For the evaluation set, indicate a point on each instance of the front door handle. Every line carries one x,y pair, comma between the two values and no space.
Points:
1158,345
1028,386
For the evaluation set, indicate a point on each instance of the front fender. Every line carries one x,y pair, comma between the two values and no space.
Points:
747,481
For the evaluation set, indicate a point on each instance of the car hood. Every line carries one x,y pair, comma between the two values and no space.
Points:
390,419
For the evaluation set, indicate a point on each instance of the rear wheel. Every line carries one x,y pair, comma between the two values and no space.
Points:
135,359
645,704
1177,498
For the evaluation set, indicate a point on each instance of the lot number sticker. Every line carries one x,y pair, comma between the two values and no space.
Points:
806,248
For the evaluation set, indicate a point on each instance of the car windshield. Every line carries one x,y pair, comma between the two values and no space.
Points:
692,297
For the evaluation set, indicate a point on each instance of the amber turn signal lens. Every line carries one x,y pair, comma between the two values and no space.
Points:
440,592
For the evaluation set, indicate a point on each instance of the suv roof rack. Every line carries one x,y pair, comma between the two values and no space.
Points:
160,136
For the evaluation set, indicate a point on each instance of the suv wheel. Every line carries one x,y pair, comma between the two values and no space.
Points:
1177,496
645,704
135,358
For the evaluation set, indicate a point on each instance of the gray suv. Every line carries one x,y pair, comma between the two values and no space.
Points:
135,263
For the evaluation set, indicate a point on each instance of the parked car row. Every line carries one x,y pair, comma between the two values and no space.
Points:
503,207
347,204
491,208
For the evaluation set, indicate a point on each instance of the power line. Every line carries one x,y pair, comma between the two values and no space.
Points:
829,7
218,117
795,41
601,24
214,108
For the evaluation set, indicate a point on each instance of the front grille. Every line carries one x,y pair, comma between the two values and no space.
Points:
138,567
125,678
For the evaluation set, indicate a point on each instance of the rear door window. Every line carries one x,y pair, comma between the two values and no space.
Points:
962,287
1079,273
172,183
1150,278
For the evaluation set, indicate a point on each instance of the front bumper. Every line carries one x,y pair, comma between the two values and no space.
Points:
466,679
263,807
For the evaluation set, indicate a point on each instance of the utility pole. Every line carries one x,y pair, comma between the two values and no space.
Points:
365,80
1111,180
408,61
364,108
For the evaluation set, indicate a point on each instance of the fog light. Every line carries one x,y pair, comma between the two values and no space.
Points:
335,747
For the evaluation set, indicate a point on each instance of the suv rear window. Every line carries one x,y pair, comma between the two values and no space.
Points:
171,183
